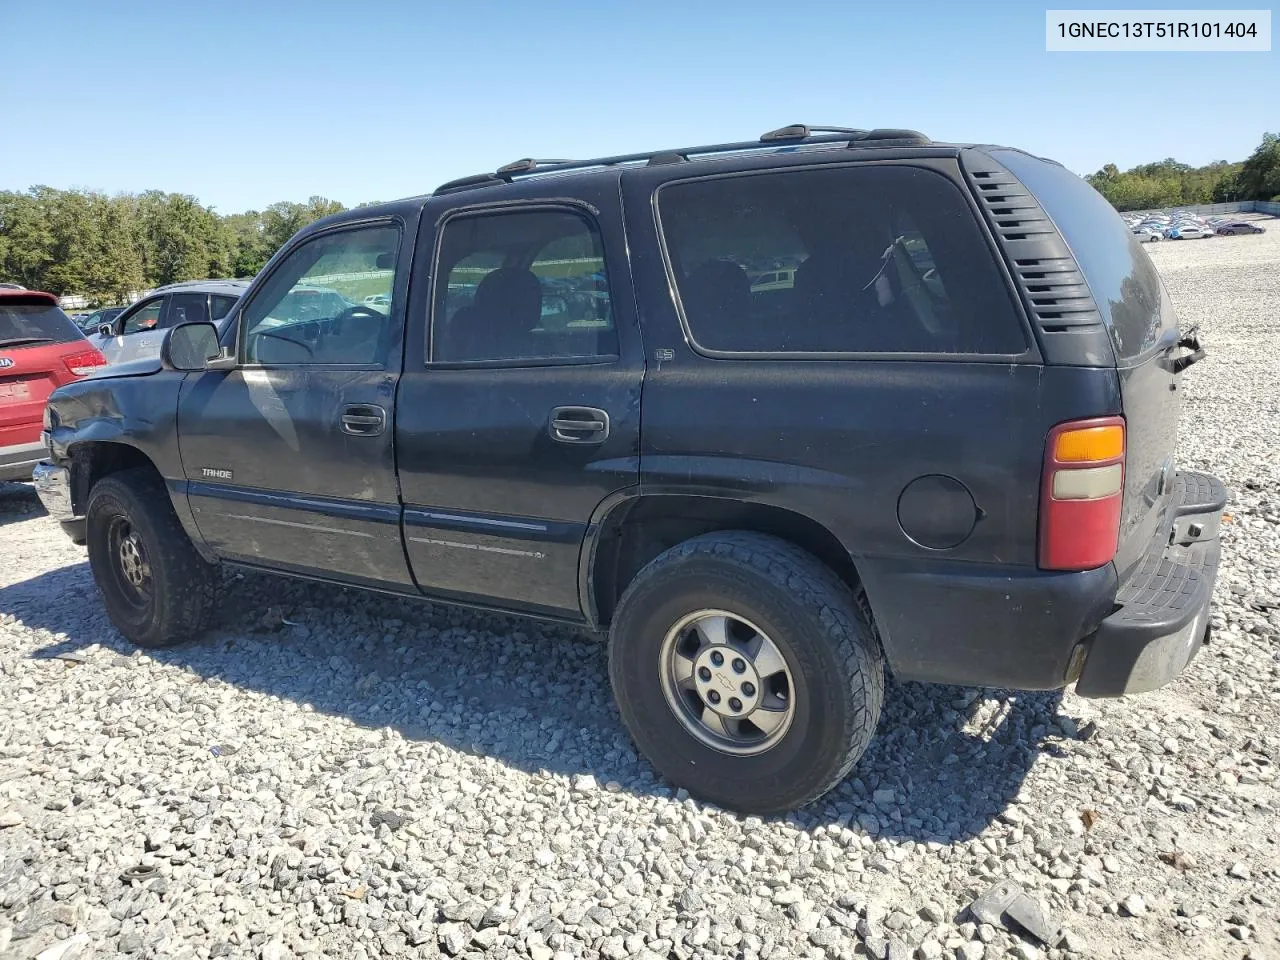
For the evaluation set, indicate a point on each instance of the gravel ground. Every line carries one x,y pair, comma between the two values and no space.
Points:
333,774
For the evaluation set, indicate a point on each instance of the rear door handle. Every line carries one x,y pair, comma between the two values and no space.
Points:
363,419
579,425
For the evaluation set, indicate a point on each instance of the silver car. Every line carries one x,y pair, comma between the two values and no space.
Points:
136,333
1188,231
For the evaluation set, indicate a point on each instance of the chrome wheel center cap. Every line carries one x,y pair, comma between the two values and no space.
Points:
727,681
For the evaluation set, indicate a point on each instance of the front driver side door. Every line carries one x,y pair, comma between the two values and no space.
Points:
289,456
137,332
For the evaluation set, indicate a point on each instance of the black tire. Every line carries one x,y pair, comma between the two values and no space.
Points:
823,631
179,593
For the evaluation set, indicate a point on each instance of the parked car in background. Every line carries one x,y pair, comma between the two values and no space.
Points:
90,322
40,350
1234,227
1147,234
306,303
379,301
134,332
1189,231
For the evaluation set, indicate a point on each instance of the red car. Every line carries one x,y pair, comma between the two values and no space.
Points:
40,350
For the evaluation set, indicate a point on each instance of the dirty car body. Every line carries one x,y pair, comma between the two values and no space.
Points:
954,418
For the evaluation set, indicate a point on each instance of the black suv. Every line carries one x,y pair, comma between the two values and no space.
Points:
774,415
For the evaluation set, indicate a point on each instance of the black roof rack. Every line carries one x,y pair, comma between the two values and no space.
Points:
802,131
796,133
526,165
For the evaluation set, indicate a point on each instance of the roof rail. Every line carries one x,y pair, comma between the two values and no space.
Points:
790,135
526,165
802,131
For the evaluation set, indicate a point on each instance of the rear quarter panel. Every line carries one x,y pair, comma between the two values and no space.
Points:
839,440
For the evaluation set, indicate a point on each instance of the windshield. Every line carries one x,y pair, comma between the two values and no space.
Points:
38,322
302,305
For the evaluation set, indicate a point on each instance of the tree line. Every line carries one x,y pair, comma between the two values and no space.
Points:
1169,183
107,247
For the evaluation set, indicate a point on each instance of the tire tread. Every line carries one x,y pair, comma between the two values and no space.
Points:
844,615
192,595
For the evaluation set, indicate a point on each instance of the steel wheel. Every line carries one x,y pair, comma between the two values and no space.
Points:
130,565
727,682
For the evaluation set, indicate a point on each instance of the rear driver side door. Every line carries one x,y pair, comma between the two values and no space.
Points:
520,414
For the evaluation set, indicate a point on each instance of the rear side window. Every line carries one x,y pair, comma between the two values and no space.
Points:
883,259
523,285
33,322
1121,277
188,308
221,305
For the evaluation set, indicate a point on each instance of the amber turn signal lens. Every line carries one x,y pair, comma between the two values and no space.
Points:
1089,444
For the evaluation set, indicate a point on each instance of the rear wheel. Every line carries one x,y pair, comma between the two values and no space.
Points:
156,588
746,671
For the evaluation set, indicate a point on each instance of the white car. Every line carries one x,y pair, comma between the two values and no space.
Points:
1147,234
1188,231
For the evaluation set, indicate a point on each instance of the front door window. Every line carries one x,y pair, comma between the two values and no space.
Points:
328,303
146,317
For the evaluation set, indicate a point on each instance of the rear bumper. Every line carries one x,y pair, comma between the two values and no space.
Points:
1016,627
1162,618
17,461
53,486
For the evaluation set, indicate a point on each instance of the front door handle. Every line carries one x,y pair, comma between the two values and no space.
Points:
363,419
579,425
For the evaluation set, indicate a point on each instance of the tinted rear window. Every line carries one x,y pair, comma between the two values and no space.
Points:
1121,277
221,305
34,321
867,259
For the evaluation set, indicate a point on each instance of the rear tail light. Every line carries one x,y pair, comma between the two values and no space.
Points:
84,363
1081,494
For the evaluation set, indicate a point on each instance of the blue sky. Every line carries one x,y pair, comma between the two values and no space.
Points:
243,104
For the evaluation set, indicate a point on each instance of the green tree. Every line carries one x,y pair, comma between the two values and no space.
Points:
181,240
246,242
1227,187
1166,183
27,236
280,221
1260,175
114,268
75,236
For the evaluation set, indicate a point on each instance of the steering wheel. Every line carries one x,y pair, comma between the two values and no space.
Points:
359,311
267,335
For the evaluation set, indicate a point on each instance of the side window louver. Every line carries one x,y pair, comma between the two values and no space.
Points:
1048,277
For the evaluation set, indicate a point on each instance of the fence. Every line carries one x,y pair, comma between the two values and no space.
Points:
1217,209
77,301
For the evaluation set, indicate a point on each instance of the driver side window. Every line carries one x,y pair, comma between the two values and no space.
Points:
329,302
145,317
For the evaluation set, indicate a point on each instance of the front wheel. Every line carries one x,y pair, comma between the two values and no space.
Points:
746,671
156,588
